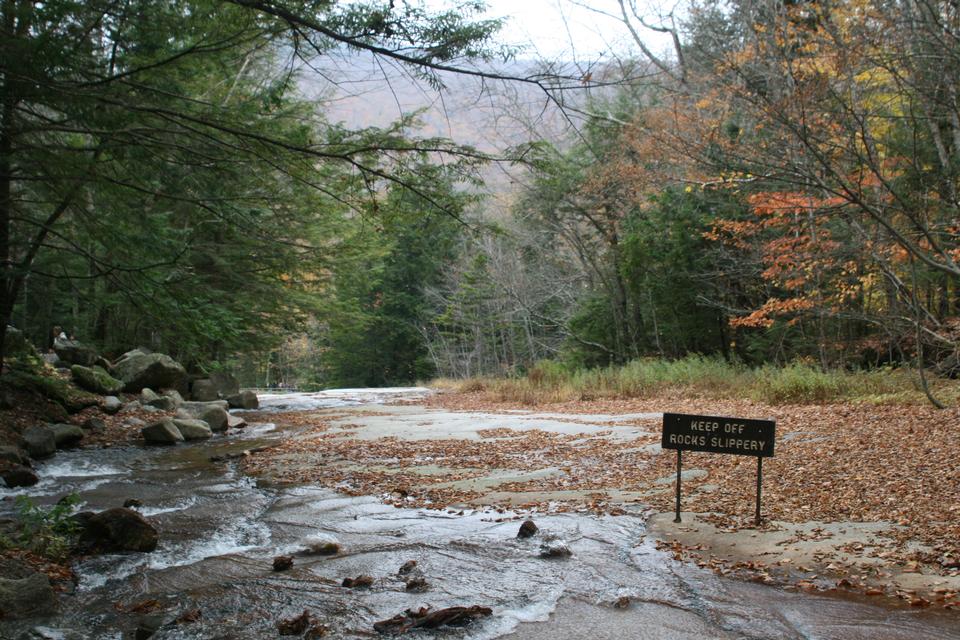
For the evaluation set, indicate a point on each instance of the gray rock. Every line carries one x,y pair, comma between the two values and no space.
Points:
51,359
192,407
154,370
111,405
15,455
149,408
95,379
162,432
134,422
94,424
203,391
210,412
118,529
235,422
74,352
148,395
39,441
174,395
555,549
17,475
67,435
163,403
130,407
225,383
244,400
193,429
27,597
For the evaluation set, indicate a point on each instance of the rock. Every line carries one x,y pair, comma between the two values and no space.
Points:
321,545
95,379
139,351
282,563
555,549
203,391
155,370
66,436
213,413
174,395
74,352
130,407
295,626
27,597
94,424
15,455
407,567
149,408
527,529
53,360
132,503
360,582
111,405
103,363
192,429
425,619
39,441
417,584
148,395
162,432
163,403
235,422
17,475
244,400
118,529
148,625
134,422
225,383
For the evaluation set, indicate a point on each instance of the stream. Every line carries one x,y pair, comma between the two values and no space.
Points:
219,532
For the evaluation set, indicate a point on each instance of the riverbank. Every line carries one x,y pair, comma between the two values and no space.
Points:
882,480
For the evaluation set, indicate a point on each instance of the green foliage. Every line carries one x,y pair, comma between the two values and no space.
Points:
797,383
49,532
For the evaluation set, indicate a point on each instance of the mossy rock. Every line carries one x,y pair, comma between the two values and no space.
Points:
60,391
96,379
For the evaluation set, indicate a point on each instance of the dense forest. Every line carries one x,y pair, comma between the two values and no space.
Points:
782,187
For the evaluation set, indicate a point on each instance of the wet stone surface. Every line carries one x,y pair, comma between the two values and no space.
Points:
212,574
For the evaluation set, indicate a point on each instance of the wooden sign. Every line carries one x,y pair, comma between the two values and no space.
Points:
718,434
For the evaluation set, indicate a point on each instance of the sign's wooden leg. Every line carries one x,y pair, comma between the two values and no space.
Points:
679,467
759,488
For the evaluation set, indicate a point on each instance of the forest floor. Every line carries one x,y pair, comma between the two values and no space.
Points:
858,498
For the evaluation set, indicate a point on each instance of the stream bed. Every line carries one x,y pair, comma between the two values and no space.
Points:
219,532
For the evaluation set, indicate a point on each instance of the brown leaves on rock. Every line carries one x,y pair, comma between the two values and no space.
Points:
424,619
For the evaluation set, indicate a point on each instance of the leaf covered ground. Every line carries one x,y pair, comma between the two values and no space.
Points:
897,465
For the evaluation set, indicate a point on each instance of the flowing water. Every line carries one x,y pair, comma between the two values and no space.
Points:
219,532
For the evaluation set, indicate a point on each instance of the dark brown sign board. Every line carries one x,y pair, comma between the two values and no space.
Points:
719,434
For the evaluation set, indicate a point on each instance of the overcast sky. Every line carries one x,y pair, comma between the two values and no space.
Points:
561,28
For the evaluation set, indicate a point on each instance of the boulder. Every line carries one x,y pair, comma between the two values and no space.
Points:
162,432
163,403
193,429
154,370
244,400
27,597
235,422
203,391
111,405
95,379
118,529
147,395
53,360
212,413
134,422
174,395
225,383
527,529
67,435
39,441
74,352
94,424
15,455
17,475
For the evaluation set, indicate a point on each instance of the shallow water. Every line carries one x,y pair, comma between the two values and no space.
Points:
220,531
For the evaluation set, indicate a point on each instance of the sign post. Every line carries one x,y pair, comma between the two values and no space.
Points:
719,434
